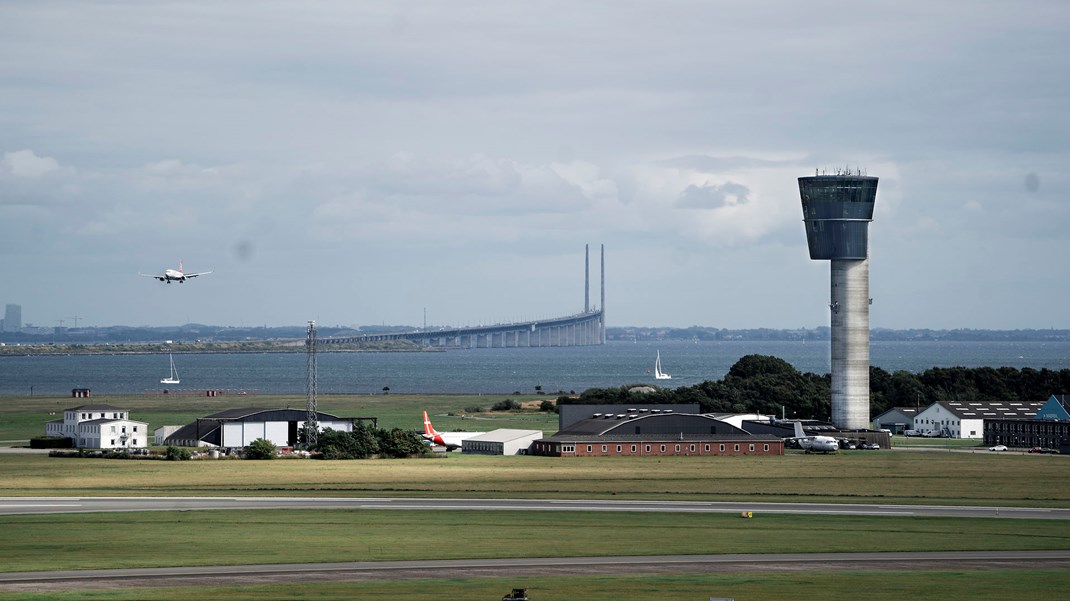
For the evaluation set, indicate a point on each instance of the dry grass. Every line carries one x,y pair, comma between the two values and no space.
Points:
883,477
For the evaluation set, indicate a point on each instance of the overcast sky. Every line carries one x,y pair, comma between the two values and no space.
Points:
362,162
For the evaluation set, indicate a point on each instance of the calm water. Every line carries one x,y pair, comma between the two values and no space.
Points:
488,370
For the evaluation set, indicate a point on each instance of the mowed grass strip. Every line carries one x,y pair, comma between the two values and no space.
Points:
917,477
920,585
151,539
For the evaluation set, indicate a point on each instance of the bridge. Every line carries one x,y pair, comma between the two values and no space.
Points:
581,329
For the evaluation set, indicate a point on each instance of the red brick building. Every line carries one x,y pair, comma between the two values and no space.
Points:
650,434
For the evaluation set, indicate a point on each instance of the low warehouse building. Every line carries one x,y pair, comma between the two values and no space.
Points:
501,442
236,428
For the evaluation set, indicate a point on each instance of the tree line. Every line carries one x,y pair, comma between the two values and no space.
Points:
772,386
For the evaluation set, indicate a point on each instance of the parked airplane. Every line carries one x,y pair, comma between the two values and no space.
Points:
174,275
813,444
450,440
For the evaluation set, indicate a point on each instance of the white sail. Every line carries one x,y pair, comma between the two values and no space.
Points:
173,378
658,374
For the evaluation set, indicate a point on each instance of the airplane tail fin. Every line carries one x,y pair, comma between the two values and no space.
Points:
180,265
429,430
799,430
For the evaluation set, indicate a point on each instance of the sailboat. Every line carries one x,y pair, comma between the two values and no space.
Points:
658,374
173,378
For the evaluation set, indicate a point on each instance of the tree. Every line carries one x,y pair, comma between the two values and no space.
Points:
506,405
178,454
397,443
261,448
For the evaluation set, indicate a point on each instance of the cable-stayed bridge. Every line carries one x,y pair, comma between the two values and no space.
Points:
580,329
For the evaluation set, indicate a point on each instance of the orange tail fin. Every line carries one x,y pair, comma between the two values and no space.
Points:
429,430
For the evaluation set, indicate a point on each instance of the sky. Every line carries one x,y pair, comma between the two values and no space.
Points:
411,162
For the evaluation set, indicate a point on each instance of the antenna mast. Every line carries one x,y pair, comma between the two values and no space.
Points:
312,425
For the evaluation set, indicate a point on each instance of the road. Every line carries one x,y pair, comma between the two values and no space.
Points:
47,505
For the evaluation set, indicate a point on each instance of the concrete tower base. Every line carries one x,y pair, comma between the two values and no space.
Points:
850,343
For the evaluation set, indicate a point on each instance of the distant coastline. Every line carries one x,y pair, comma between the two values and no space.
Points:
205,338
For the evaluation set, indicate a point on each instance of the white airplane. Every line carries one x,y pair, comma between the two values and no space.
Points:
815,444
174,275
450,440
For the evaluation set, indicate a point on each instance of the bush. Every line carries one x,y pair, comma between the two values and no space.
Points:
261,448
548,406
52,442
178,454
506,405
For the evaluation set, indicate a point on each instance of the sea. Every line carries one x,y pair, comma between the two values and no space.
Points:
484,371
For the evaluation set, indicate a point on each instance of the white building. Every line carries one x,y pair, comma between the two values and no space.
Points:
99,427
237,428
160,434
965,419
502,441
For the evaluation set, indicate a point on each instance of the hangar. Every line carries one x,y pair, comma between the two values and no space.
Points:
502,441
658,434
235,428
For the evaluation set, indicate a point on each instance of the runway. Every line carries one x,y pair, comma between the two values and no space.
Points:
203,576
515,567
49,505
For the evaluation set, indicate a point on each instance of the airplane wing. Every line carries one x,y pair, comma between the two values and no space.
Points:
149,275
193,275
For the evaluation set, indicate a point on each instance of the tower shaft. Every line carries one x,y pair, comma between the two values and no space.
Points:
849,301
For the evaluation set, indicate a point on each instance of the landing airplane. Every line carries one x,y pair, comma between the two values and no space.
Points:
450,440
174,275
815,444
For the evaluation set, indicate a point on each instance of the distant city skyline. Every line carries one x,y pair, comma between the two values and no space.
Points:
359,163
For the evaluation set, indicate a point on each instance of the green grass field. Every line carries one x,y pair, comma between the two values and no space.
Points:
23,417
73,541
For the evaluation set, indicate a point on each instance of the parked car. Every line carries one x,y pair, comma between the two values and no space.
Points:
999,447
871,446
1044,450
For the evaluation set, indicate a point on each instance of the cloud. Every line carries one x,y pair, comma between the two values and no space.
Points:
713,196
26,163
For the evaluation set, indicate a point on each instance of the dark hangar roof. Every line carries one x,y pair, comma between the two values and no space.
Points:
655,424
95,408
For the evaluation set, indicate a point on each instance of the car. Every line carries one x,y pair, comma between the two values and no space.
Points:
999,447
871,446
1044,450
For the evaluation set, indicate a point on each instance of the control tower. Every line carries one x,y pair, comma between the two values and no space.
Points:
837,210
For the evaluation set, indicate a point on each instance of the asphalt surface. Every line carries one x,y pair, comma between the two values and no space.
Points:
47,505
206,576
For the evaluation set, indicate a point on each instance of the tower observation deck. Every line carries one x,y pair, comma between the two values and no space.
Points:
837,210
